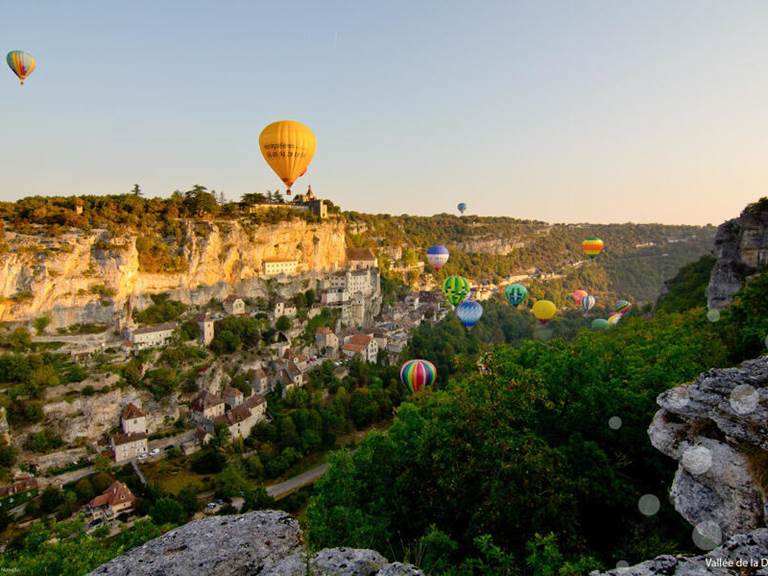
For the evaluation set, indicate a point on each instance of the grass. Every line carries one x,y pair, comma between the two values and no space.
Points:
173,475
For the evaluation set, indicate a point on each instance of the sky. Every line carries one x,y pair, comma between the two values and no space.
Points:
570,111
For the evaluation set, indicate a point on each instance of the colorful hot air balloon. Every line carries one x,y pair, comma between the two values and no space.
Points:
592,246
577,295
622,306
21,63
600,324
587,303
613,319
456,288
469,312
516,294
418,373
288,148
437,256
462,207
544,310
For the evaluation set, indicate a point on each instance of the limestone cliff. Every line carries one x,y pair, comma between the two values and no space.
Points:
266,543
88,276
716,429
741,249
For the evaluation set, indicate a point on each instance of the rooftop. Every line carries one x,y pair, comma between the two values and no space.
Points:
156,328
120,438
117,493
131,411
360,254
205,400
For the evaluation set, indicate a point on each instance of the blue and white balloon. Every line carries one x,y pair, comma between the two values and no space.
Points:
437,256
469,312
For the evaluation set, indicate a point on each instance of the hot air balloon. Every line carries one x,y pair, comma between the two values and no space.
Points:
462,207
592,246
516,294
288,148
600,324
577,295
587,303
622,306
418,373
469,312
544,310
437,256
613,319
21,63
456,288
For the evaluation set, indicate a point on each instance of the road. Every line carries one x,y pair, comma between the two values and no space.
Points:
282,489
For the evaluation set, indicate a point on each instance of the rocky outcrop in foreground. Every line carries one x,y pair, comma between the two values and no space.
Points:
717,429
741,249
266,543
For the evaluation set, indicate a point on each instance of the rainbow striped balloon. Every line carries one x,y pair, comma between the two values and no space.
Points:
592,246
418,373
622,306
21,63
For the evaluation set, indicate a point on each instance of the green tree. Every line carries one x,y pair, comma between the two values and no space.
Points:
41,323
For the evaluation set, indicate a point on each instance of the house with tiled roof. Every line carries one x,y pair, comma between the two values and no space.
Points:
260,381
232,396
126,447
133,420
117,499
326,339
364,345
205,408
233,304
360,258
151,336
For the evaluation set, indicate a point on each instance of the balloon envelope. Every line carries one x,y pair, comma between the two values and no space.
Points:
437,256
288,148
622,306
456,289
418,373
516,294
577,295
469,312
462,207
21,63
592,246
600,324
544,310
613,319
587,303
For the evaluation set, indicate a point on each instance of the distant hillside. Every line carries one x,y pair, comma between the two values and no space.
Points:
638,258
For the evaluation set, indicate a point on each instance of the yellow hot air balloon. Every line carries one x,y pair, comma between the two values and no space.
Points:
288,148
544,310
21,63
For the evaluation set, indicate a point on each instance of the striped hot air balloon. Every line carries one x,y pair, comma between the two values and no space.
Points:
592,246
587,303
21,63
416,374
469,312
437,256
613,319
516,294
456,289
622,306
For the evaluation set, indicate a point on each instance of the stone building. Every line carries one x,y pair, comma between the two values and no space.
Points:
133,420
206,325
126,447
234,305
117,499
364,345
151,336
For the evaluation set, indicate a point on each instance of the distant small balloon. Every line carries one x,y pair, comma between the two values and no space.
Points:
21,63
587,303
516,294
613,319
713,315
622,306
578,295
462,207
416,374
592,247
437,256
544,310
600,324
469,312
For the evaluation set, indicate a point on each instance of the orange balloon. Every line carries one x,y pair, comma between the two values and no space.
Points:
288,148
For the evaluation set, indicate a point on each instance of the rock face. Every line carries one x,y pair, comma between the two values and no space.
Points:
266,543
717,429
88,276
741,249
742,554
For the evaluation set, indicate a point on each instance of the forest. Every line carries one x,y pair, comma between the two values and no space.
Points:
510,465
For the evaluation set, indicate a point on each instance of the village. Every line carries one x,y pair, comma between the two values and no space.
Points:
345,322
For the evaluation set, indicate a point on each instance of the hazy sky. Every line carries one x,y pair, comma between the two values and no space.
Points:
607,111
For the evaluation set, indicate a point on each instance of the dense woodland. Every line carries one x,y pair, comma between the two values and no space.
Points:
510,467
